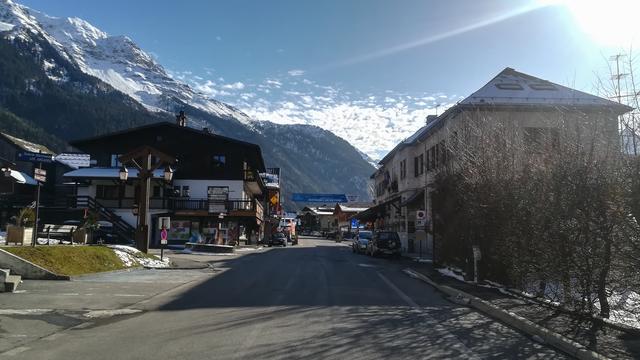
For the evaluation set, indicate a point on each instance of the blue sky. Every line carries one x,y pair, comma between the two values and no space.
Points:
366,57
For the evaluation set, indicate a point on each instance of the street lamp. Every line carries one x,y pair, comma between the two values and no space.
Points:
7,171
123,173
168,173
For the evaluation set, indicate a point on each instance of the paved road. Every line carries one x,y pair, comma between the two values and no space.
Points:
316,300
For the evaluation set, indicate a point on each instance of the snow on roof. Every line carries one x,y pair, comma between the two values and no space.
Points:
108,173
323,212
28,145
511,87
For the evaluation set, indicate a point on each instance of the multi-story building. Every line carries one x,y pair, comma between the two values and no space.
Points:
216,194
528,105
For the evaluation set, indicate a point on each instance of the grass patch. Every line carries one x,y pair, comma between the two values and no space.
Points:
70,260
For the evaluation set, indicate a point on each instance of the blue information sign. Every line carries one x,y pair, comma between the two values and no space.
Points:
323,198
355,223
35,157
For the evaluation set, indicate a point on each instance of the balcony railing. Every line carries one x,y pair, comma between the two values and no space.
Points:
212,206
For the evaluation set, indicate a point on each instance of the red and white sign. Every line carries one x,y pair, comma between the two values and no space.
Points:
163,237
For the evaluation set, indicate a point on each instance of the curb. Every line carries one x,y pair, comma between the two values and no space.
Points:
549,337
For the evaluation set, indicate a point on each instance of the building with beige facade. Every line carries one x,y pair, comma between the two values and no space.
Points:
528,110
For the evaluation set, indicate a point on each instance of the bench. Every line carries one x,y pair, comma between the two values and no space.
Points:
59,232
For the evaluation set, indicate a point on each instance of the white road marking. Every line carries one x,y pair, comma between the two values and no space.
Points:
402,295
24,311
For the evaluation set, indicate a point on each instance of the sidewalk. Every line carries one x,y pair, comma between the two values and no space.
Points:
607,340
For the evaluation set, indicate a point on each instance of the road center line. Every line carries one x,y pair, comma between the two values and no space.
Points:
402,295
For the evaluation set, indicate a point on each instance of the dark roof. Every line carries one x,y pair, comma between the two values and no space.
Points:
79,142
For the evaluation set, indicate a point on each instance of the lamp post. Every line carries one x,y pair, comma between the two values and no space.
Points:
143,159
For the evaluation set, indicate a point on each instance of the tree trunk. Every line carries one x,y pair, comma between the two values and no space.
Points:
605,309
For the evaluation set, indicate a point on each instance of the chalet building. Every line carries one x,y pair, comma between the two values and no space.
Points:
344,213
404,181
318,218
217,193
17,185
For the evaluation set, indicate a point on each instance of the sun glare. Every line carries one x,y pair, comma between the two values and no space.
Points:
609,23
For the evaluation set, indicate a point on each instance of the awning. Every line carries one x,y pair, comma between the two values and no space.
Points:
413,197
374,212
108,173
22,178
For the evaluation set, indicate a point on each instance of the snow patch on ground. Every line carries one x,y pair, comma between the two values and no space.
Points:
133,257
101,314
451,273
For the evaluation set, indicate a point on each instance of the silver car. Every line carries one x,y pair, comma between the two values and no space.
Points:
360,241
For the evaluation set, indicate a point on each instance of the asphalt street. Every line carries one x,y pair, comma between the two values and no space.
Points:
316,300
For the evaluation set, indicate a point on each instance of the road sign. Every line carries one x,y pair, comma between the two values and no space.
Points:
40,178
164,223
35,157
163,237
323,198
274,199
421,219
355,223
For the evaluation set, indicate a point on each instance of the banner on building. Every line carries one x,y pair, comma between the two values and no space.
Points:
321,198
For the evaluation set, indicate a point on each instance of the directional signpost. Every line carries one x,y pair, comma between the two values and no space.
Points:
40,175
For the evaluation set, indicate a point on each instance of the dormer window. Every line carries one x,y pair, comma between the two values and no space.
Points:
509,86
543,86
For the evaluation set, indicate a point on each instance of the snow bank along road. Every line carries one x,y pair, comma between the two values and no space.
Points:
316,300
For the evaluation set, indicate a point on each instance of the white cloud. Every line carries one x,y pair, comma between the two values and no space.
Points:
235,86
296,72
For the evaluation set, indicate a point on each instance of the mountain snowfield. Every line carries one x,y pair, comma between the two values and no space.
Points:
116,60
82,63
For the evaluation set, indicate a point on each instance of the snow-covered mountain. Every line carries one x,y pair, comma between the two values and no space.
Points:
116,60
69,79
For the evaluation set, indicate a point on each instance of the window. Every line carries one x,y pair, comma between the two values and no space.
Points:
437,155
107,192
218,160
157,192
432,159
418,163
186,192
403,169
114,160
509,86
443,153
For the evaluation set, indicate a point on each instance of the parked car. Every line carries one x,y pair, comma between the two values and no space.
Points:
278,239
316,233
332,235
360,241
306,233
384,242
104,234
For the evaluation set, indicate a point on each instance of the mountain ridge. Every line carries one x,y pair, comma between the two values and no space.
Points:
58,71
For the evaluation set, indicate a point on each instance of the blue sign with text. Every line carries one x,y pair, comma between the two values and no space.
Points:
35,157
323,198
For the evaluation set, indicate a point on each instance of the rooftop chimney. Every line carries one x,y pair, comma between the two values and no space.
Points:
181,119
430,118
